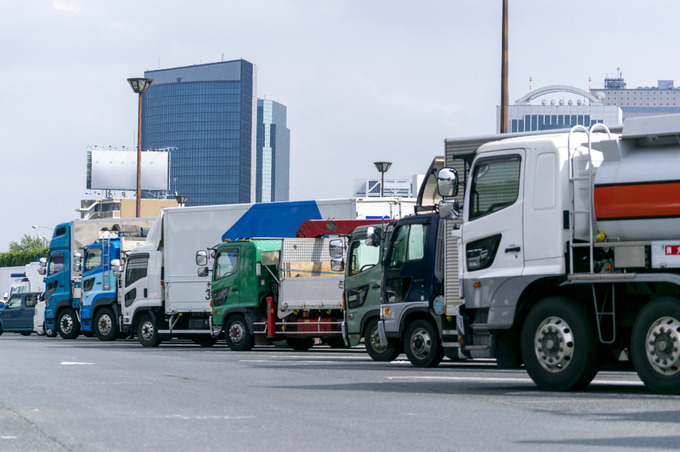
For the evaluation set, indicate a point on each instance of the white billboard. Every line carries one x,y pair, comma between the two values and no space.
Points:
117,170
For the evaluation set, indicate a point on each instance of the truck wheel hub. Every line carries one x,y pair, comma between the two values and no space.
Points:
663,346
554,344
421,343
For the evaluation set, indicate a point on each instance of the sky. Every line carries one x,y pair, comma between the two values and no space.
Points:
363,80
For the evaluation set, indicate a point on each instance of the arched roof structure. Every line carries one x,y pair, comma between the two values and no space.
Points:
556,89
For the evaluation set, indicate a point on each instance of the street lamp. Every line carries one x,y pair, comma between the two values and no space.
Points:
139,86
382,167
181,199
35,226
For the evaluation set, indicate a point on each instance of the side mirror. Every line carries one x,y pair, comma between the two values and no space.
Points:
447,182
116,267
373,236
201,258
337,264
203,272
336,247
42,266
77,262
449,210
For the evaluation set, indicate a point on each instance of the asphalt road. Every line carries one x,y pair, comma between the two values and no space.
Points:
86,395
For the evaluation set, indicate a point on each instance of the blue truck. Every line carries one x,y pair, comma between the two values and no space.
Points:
99,309
63,279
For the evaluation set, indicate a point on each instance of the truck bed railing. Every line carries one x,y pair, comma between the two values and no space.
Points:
317,326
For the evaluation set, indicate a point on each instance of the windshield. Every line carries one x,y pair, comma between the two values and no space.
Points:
93,259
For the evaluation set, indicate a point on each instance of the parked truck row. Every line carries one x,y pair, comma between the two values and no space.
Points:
556,251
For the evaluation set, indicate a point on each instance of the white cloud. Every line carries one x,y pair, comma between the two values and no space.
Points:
67,6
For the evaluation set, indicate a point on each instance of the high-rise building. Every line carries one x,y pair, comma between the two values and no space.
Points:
206,116
273,152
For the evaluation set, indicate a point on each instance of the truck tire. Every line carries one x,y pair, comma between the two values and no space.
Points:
422,344
49,333
558,345
68,326
237,335
147,334
105,325
654,345
301,344
372,341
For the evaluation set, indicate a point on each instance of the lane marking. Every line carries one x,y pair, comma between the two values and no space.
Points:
75,363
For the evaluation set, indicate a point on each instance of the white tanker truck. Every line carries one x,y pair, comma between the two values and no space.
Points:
569,254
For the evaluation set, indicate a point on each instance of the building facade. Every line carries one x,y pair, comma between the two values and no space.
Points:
572,107
662,99
273,152
206,116
405,187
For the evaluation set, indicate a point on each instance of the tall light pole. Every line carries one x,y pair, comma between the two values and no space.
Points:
504,71
35,226
382,167
139,86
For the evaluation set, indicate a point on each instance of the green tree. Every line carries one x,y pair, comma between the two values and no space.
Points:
28,242
23,252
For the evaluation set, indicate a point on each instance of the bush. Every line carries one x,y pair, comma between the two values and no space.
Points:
20,258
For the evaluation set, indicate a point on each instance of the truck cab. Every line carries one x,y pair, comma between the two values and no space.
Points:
413,283
363,274
100,311
244,274
62,290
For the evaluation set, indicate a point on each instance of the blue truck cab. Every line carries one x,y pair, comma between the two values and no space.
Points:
99,310
62,288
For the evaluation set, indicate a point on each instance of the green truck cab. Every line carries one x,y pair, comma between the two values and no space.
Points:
363,274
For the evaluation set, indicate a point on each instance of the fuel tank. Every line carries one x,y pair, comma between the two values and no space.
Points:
636,192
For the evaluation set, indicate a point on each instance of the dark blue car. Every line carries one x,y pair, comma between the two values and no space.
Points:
17,314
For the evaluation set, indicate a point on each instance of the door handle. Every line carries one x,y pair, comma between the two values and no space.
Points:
234,290
512,249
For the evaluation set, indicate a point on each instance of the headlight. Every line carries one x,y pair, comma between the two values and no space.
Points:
439,305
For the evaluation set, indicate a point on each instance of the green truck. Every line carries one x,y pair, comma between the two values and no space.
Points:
363,275
274,289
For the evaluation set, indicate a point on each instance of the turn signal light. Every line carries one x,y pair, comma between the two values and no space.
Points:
477,284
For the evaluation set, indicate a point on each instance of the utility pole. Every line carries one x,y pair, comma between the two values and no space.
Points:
504,71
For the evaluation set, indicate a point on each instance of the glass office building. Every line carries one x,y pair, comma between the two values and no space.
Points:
205,115
273,152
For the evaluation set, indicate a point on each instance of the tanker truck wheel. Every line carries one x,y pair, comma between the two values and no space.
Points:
422,344
105,327
655,345
558,345
374,348
147,332
68,326
237,335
